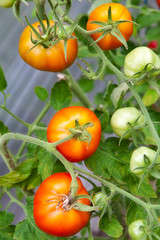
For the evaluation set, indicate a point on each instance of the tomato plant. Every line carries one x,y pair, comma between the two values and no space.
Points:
137,229
6,3
118,13
93,125
74,150
53,211
51,58
123,117
142,157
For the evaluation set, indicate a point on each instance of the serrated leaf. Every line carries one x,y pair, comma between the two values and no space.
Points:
27,229
6,218
7,233
107,162
61,95
3,82
41,93
104,118
134,212
144,190
21,173
46,162
111,226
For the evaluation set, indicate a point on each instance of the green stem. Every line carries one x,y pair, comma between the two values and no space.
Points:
17,118
7,156
32,127
15,200
77,90
69,167
39,4
114,188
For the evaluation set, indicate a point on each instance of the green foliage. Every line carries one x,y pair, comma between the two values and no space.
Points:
111,226
127,197
61,95
3,82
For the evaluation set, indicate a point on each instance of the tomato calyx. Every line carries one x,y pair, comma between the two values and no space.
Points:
80,131
66,202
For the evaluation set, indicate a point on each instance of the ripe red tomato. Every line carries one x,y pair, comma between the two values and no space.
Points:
153,44
74,150
46,59
158,2
52,210
119,12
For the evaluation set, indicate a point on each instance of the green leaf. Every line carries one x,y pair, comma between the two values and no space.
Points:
41,93
21,173
3,128
104,118
144,190
7,233
111,226
27,229
86,84
3,82
32,181
135,212
61,95
46,162
107,162
147,19
6,218
153,33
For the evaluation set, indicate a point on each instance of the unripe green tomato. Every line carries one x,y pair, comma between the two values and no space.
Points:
123,116
136,229
6,3
138,58
150,97
137,159
99,199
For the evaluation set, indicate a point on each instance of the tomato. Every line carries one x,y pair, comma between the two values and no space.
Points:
137,159
150,97
158,3
153,44
119,12
138,58
46,59
6,3
123,116
52,210
137,230
74,150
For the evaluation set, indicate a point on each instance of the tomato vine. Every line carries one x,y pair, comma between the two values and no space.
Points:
114,139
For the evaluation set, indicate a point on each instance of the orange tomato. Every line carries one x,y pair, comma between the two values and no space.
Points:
74,150
119,12
52,213
46,59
